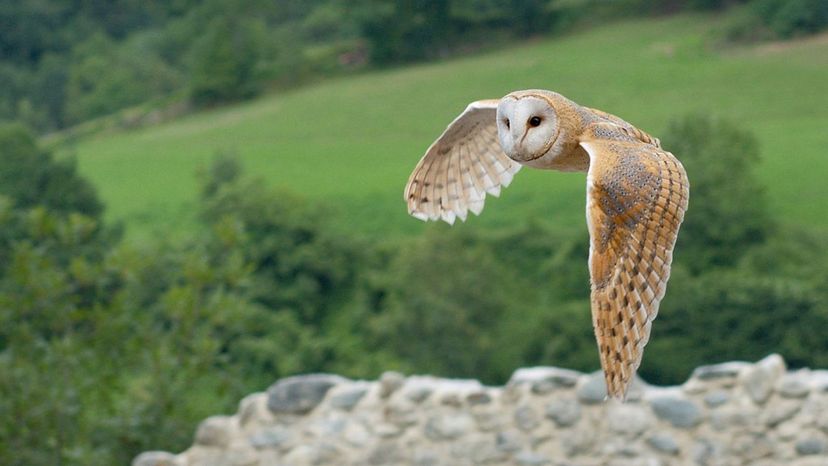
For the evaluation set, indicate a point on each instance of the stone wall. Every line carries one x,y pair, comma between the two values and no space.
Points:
727,414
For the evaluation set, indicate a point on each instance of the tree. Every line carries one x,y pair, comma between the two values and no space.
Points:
33,177
728,212
224,61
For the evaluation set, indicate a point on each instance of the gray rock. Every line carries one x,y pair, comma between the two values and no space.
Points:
488,419
272,437
793,386
627,419
386,452
390,382
448,427
703,452
312,454
387,430
482,451
508,441
544,380
400,411
301,393
425,458
780,412
676,410
154,458
720,371
215,431
577,441
811,446
475,449
664,443
451,399
530,458
347,398
716,398
525,418
254,408
418,394
593,389
356,434
759,379
564,412
478,398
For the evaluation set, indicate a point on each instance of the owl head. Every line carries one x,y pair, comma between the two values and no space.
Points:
528,127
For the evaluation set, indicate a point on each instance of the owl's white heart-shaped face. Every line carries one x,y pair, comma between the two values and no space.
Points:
527,127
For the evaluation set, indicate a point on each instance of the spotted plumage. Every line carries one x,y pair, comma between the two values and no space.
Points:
636,198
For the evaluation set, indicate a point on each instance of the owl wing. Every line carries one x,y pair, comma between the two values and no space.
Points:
636,198
460,167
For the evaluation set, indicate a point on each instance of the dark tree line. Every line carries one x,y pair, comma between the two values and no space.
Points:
63,62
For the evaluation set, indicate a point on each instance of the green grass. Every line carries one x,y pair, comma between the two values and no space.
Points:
352,142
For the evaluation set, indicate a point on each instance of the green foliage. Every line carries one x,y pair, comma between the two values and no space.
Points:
446,294
788,18
225,60
728,213
124,348
737,315
778,19
31,176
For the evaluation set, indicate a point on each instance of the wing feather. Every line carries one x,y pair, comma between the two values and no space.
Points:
463,165
636,198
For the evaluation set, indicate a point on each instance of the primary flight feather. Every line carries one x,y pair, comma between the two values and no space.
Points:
636,198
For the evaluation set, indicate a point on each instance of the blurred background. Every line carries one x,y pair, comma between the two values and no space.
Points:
198,197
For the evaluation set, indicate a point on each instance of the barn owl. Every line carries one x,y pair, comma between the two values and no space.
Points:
636,197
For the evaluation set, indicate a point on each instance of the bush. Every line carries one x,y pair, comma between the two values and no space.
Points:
789,18
728,211
33,177
224,61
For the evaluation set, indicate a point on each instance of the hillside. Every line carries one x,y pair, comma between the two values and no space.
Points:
352,141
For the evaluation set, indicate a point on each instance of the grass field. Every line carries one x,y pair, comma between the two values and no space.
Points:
352,142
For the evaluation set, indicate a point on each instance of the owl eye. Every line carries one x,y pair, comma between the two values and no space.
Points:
506,122
535,121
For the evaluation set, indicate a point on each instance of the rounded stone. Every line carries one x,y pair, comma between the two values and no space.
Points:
347,398
300,394
478,398
593,389
627,419
448,427
272,437
215,431
678,411
418,394
564,412
777,413
154,458
664,443
793,386
525,418
810,446
759,379
716,398
508,441
531,458
727,370
545,379
390,382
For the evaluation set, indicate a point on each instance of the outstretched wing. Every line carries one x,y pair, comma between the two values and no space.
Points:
461,167
636,197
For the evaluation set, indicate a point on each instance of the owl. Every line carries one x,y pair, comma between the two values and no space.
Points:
636,198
